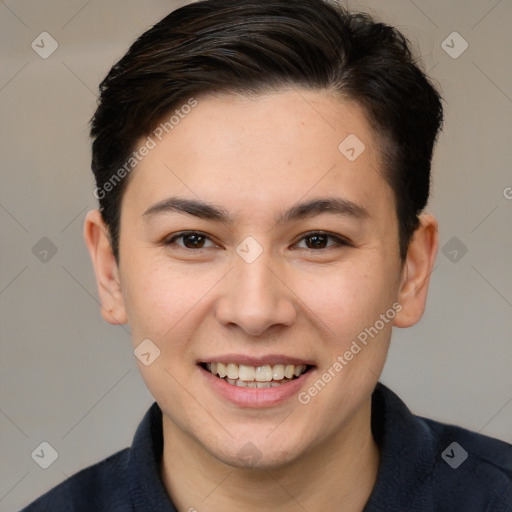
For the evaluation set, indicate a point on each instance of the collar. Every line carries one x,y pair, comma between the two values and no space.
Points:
407,457
403,481
147,491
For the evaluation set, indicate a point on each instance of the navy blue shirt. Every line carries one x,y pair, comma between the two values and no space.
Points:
425,466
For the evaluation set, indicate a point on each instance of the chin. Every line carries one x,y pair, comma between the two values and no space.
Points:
250,457
258,451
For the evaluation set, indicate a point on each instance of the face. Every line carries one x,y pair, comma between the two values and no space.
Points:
256,254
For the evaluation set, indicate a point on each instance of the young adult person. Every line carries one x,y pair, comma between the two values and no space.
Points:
262,170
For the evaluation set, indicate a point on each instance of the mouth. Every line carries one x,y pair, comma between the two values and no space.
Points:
248,376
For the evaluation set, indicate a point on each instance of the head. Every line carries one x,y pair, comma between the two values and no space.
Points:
294,139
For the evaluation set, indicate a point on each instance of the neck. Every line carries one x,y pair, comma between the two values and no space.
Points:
337,474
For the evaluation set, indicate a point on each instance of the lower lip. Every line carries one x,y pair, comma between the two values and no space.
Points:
255,397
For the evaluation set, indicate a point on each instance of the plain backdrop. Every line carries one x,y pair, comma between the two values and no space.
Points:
69,379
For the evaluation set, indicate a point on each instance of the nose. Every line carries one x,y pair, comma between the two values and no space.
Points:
255,297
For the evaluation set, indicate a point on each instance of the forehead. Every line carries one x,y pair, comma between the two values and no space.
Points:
262,151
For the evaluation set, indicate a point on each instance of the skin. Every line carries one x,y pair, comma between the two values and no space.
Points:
256,157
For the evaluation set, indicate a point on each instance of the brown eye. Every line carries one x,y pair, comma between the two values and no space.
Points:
191,240
320,240
316,241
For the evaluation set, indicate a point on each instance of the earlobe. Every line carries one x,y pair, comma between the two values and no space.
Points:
97,240
416,272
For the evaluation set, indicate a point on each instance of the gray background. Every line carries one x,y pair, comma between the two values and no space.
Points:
70,379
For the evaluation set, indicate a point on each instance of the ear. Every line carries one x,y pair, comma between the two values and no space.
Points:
97,238
416,272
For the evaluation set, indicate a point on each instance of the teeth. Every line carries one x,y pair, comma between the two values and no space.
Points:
278,372
243,384
265,376
264,373
246,373
232,371
221,370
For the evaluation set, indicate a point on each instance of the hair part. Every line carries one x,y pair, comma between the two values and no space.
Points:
249,47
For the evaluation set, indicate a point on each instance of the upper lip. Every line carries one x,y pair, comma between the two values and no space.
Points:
270,359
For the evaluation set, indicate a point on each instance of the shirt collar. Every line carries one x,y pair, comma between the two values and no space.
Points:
406,457
403,480
147,491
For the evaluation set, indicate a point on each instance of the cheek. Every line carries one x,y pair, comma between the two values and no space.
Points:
347,299
161,298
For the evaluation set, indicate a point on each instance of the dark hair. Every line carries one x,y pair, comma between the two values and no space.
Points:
252,46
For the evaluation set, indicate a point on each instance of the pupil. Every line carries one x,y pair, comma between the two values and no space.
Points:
317,241
193,240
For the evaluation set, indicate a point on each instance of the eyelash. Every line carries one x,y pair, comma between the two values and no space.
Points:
339,241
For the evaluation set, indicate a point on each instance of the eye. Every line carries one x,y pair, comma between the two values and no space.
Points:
319,240
191,240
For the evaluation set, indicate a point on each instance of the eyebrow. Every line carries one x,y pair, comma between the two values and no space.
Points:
332,205
304,210
196,208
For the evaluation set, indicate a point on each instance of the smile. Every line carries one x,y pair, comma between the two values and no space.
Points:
247,376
